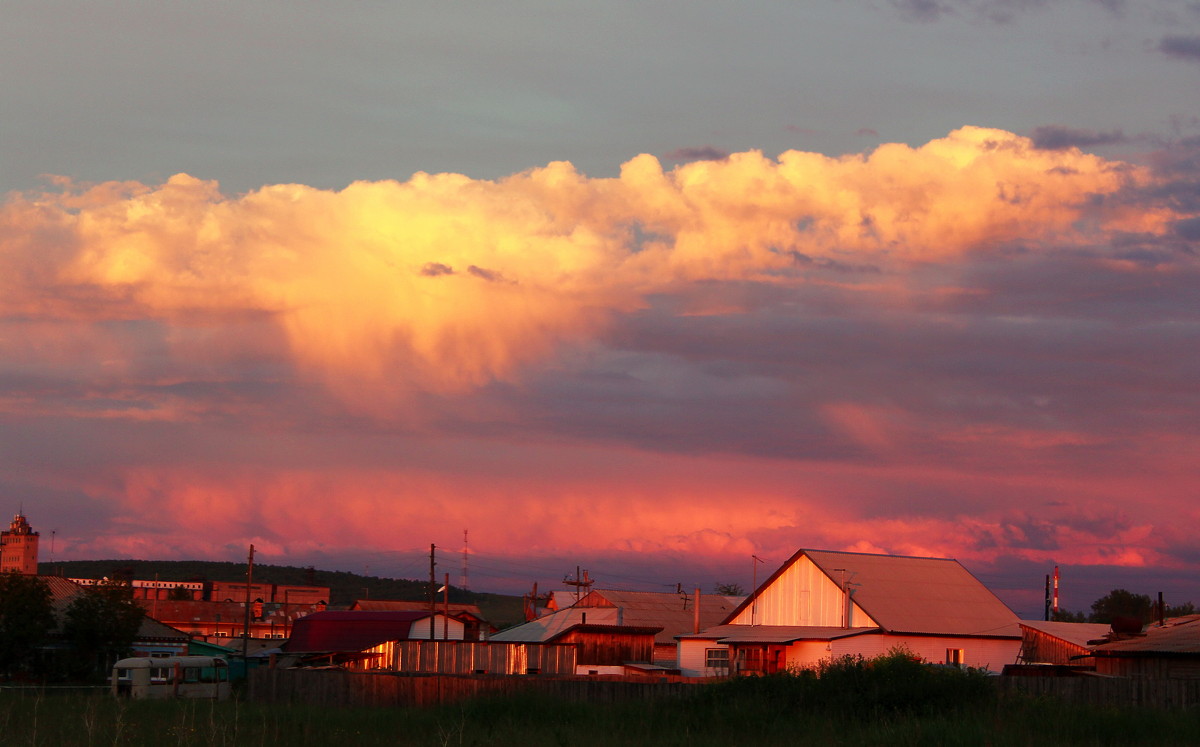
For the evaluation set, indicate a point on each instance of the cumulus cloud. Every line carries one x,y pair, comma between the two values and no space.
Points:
902,350
445,282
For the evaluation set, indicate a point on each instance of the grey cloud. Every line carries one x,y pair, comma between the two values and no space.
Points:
700,153
1188,229
996,11
1057,137
1181,47
434,269
921,10
489,275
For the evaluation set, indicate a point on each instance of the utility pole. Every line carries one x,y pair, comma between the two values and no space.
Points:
580,582
432,589
246,626
530,603
1047,596
446,609
464,582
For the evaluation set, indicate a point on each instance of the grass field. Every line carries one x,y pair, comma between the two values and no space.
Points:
101,720
887,701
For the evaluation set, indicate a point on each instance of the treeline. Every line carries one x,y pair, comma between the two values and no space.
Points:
81,641
1122,603
501,610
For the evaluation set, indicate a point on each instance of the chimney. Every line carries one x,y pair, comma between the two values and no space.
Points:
696,612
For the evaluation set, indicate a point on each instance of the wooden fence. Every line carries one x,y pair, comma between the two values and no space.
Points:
337,687
1103,691
468,657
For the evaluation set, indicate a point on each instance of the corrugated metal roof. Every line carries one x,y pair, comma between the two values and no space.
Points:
930,596
1179,637
674,613
152,629
556,623
344,630
182,611
776,633
1071,632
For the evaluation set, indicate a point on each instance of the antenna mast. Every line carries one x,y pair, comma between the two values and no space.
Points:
462,582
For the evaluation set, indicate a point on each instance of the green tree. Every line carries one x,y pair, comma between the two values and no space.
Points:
1121,603
1062,615
179,594
729,590
101,624
26,618
1187,608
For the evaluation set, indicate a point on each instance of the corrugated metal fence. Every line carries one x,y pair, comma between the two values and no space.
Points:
469,657
337,687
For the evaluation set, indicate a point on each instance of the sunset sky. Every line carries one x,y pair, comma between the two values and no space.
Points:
644,288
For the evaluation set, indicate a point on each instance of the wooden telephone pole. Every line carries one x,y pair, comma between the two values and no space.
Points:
580,582
246,625
432,588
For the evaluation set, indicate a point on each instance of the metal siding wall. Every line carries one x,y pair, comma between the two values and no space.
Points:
692,657
802,595
420,630
806,654
978,652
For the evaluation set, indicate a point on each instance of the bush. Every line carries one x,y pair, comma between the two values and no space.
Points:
895,683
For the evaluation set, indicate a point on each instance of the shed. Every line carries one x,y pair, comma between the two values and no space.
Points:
1062,643
932,607
1169,651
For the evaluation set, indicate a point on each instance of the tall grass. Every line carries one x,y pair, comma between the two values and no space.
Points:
891,700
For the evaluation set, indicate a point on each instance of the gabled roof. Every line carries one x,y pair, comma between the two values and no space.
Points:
902,594
345,630
153,630
674,613
775,633
1180,636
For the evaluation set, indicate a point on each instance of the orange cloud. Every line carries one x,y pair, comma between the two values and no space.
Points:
444,282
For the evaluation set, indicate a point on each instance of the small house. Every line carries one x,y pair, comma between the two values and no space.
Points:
824,604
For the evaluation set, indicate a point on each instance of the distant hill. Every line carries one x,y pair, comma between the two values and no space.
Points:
501,610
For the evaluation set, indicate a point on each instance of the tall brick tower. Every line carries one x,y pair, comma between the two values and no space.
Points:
19,548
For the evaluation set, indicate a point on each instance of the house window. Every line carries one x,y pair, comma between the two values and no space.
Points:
955,656
716,658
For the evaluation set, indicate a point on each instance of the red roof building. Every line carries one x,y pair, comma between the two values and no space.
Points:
358,630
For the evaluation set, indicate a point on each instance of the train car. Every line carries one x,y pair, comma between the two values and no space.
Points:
171,677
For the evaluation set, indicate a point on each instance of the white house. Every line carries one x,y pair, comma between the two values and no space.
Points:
822,604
